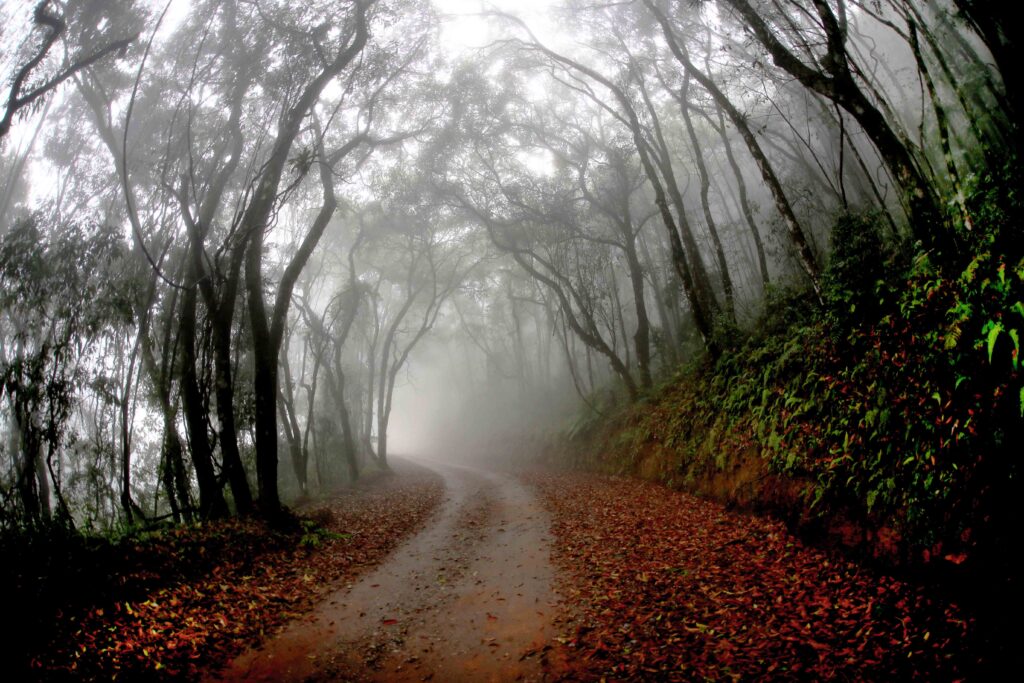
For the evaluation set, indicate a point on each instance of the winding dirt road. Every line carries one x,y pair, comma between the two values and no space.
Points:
468,599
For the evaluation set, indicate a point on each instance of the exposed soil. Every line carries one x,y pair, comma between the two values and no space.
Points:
469,598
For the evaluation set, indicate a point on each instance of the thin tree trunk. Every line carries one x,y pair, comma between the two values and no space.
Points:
744,201
705,187
670,346
211,499
176,478
131,510
942,124
286,408
705,306
642,336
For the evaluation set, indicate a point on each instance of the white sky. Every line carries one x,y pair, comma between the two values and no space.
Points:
461,30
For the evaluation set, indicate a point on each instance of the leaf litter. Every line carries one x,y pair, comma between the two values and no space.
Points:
661,585
187,599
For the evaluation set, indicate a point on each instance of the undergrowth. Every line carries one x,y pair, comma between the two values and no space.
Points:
58,575
897,405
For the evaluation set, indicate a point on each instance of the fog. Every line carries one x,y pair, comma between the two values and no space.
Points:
446,411
251,250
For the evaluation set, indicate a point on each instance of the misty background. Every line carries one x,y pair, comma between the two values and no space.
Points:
251,249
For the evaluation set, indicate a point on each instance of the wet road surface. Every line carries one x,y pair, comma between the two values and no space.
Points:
469,598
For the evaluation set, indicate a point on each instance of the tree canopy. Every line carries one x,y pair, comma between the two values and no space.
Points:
232,233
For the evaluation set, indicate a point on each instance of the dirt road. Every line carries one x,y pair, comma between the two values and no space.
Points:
468,599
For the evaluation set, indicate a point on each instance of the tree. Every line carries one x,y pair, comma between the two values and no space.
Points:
739,121
63,286
686,259
434,268
90,38
268,327
832,75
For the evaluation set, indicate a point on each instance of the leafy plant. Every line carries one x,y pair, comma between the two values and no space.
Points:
314,535
899,404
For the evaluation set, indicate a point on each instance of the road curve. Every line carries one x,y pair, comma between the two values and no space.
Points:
470,598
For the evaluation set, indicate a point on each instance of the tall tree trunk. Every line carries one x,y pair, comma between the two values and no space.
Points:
670,345
963,51
705,187
293,435
642,336
267,330
336,376
371,369
975,120
174,476
265,372
166,474
702,298
744,201
131,510
388,374
310,429
942,124
993,21
27,468
336,385
211,499
865,175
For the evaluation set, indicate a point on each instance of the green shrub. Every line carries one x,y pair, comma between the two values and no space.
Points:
901,402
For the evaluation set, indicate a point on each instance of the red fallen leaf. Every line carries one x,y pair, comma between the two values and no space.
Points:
773,602
99,644
389,622
959,558
491,617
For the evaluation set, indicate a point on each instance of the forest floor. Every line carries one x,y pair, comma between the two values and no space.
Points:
173,603
457,574
551,576
661,585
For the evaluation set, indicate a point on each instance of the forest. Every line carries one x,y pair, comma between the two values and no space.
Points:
706,315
